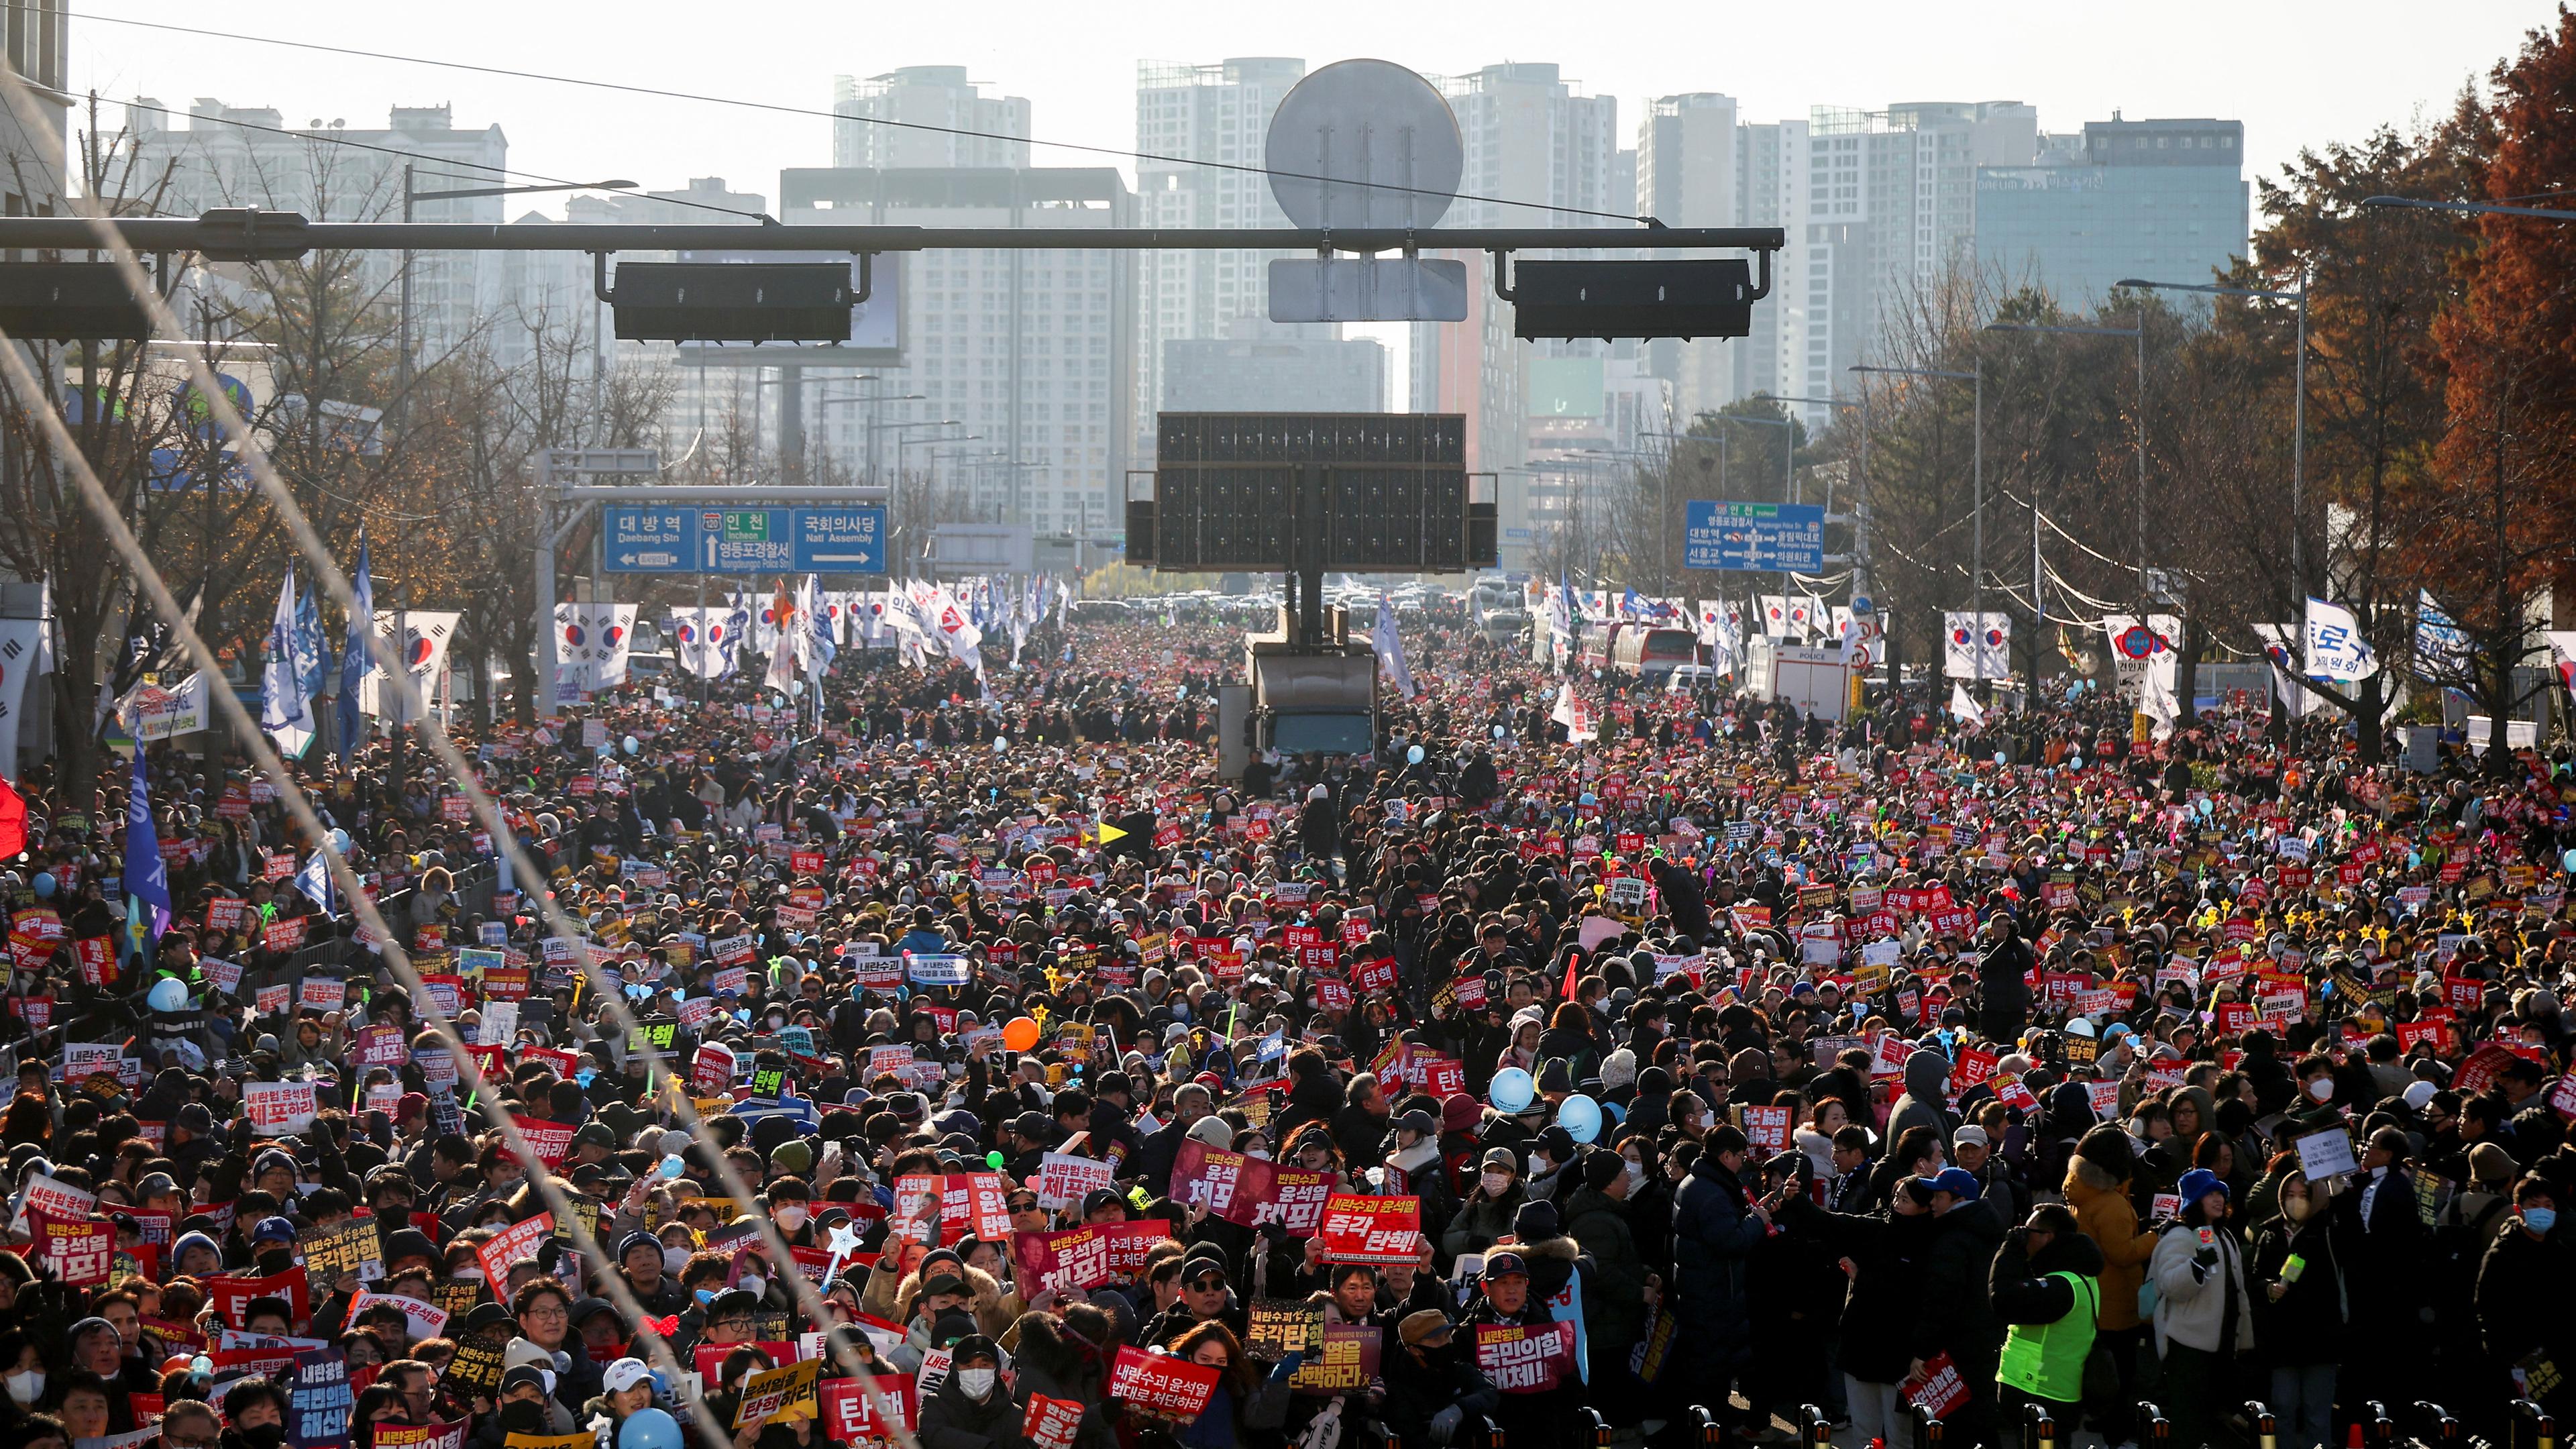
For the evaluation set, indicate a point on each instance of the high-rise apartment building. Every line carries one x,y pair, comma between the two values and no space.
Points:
1689,173
38,49
249,156
2166,201
1029,351
1539,153
925,116
1208,123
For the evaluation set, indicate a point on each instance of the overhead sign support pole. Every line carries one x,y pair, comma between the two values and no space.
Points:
842,532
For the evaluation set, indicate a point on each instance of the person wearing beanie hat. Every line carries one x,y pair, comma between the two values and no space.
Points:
2203,1308
196,1255
1596,1220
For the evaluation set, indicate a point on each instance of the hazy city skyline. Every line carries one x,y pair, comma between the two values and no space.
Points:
2316,73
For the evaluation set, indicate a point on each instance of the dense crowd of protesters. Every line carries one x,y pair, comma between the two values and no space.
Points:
1728,1061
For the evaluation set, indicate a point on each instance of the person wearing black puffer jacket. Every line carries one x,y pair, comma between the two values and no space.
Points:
1956,1313
2302,1298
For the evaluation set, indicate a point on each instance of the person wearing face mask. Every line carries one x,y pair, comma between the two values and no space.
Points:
1433,1387
970,1410
255,1413
791,1207
2522,1292
2302,1307
1488,1212
2391,1248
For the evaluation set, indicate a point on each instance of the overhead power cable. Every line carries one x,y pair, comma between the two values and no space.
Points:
778,108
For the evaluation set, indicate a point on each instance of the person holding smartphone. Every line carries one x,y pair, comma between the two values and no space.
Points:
2204,1315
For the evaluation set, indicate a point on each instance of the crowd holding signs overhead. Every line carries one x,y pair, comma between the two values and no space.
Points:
983,1070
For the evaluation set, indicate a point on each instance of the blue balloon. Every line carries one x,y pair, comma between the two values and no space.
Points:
1580,1116
649,1429
168,994
44,885
1512,1090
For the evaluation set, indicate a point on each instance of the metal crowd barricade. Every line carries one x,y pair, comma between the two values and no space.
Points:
2260,1422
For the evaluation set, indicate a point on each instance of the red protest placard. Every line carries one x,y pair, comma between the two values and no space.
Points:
1230,1185
2479,1072
851,1415
1442,1077
1333,993
516,1243
1940,1388
1767,1128
1172,1387
1074,1258
551,1141
80,1252
231,1297
1297,1199
1371,1229
1525,1360
1376,975
1051,1423
711,1071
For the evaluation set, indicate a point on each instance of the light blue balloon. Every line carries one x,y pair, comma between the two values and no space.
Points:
168,994
1511,1091
45,885
649,1429
1580,1116
1413,756
672,1166
1999,757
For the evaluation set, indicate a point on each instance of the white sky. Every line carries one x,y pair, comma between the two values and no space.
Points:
2296,72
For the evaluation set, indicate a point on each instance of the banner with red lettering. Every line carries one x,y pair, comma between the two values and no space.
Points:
551,1141
1172,1387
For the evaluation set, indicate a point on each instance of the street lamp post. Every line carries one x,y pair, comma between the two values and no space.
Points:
402,357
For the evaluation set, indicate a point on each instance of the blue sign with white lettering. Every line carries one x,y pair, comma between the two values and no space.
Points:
1754,537
840,540
695,540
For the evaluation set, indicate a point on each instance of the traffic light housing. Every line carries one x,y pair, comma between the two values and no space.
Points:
69,301
1682,297
742,302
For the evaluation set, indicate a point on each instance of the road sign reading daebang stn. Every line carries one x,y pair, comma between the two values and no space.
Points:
678,540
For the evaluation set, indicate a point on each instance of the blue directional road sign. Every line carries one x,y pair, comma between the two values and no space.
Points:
648,540
689,540
840,540
1754,537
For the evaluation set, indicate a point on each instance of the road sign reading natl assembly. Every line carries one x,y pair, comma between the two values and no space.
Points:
1754,537
743,540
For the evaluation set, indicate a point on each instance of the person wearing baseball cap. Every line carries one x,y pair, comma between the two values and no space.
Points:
1958,1315
1433,1386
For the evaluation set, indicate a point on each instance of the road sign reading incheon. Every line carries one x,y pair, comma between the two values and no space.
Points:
1754,537
674,540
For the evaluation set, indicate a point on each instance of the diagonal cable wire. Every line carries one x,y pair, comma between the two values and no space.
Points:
434,737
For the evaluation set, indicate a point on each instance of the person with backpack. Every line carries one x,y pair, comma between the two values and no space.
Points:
2302,1309
2047,1288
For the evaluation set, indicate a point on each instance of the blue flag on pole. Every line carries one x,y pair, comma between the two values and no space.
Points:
147,880
356,662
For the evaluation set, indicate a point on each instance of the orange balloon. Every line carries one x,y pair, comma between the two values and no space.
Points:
1020,1034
